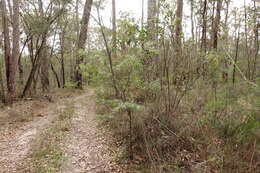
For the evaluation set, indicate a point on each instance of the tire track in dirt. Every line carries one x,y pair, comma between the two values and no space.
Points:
87,149
16,144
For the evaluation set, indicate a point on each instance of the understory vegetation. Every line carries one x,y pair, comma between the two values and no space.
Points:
179,90
182,125
177,111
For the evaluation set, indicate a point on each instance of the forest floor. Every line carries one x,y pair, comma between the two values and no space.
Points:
86,148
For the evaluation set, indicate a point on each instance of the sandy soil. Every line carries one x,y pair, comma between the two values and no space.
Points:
87,148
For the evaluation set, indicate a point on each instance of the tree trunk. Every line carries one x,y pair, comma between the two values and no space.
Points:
62,42
63,71
151,19
152,38
35,65
178,28
204,27
16,41
213,4
44,61
20,65
192,19
226,26
56,76
256,41
7,44
44,68
11,58
82,41
2,90
246,42
114,54
216,25
142,18
73,52
236,57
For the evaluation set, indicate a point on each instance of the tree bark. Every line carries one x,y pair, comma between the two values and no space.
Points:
213,4
11,55
192,19
43,55
256,40
62,42
151,19
44,67
20,65
204,27
114,54
82,42
142,18
35,66
236,57
7,44
216,25
56,76
178,28
2,90
246,42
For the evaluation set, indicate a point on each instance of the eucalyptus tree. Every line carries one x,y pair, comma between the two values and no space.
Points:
152,36
82,42
114,27
44,65
178,27
2,89
192,19
204,26
256,27
11,50
151,18
39,22
216,25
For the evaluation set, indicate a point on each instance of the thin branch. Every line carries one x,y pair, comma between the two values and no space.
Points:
239,70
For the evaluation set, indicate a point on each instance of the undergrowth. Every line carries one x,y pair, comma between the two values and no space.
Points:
210,132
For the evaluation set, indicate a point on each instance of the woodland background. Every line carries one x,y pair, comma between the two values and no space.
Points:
176,101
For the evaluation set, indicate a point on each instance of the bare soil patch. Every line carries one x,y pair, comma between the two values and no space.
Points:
86,148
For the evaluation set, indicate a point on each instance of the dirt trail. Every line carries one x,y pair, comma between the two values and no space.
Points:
86,149
15,143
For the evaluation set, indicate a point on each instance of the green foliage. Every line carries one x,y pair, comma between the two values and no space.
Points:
129,72
128,32
36,25
81,54
233,114
152,82
127,106
214,60
117,106
70,84
105,117
236,129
